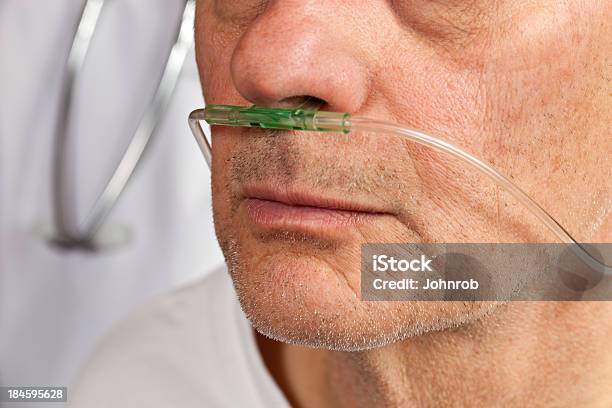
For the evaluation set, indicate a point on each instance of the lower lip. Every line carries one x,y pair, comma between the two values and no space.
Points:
276,215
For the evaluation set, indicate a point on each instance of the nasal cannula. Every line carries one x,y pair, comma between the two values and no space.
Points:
321,121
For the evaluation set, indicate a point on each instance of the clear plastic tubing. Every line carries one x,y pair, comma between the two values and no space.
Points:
339,122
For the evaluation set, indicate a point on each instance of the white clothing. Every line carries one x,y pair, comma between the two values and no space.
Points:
191,348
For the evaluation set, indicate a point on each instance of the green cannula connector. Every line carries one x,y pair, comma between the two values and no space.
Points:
278,118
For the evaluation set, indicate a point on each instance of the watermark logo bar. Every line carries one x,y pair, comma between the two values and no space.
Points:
486,272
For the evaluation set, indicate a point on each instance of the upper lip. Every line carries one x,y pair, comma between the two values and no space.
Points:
292,195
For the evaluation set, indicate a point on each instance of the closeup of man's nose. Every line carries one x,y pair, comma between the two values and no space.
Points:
293,50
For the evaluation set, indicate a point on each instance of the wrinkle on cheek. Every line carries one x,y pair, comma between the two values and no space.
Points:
449,101
446,25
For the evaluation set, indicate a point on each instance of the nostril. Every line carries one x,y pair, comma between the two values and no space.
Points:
312,103
303,101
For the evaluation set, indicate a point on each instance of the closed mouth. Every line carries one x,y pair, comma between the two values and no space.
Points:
290,208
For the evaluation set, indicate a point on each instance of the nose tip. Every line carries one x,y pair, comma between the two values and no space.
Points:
275,64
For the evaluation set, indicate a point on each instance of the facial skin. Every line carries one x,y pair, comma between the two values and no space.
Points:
524,85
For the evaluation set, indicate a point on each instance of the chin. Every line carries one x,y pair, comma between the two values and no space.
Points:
300,299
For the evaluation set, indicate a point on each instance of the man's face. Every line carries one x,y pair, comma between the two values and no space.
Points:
524,85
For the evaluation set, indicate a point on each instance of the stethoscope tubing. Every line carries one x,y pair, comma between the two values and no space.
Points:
67,230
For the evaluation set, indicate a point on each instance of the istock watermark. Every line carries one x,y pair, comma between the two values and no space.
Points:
384,263
486,272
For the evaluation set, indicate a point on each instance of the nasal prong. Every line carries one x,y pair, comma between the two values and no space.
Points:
277,118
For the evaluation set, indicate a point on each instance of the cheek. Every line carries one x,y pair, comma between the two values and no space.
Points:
433,94
536,78
214,46
223,205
